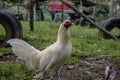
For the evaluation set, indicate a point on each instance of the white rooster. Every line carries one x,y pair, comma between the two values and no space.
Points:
52,57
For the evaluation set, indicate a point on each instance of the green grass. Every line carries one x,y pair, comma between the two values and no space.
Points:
10,71
85,41
2,33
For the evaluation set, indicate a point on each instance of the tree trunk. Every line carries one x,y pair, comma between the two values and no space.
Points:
26,10
94,10
0,4
31,12
113,8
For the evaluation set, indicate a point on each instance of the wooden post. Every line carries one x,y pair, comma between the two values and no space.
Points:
18,7
31,13
62,12
92,22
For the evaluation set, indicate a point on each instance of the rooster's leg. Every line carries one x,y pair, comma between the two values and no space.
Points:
52,75
55,75
39,76
58,74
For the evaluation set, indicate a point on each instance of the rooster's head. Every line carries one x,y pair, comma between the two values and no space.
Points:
67,24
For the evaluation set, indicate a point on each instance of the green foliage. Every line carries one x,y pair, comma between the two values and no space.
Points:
14,71
14,1
85,41
5,51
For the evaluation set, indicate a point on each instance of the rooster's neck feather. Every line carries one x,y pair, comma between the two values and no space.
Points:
63,36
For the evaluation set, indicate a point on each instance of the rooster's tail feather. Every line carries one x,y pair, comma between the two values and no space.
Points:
24,51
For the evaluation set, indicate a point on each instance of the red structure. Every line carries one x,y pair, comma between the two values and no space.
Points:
56,5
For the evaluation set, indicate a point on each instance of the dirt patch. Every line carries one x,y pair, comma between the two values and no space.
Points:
94,68
97,66
8,58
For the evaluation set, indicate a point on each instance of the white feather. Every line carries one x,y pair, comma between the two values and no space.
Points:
24,51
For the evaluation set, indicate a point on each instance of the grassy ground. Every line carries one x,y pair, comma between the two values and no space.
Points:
2,33
85,41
